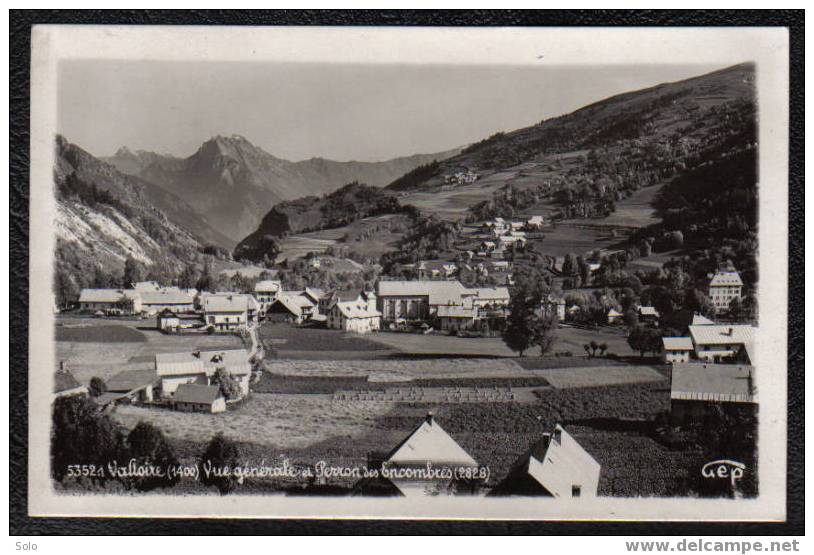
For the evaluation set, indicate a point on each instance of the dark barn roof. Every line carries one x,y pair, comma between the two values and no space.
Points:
198,394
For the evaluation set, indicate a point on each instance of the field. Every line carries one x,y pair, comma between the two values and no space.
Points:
613,423
381,241
289,341
315,404
106,354
419,344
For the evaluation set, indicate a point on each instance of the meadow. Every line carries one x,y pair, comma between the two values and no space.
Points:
94,346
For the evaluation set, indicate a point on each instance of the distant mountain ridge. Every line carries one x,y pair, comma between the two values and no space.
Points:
234,183
655,114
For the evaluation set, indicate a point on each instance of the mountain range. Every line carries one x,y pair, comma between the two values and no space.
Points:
232,183
105,217
166,211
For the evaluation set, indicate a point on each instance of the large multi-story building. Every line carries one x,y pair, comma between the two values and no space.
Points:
419,300
724,286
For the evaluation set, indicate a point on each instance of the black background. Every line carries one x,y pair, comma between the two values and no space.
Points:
20,23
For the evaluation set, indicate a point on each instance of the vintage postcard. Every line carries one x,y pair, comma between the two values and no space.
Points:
382,272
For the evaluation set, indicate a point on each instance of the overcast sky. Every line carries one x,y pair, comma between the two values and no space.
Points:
340,112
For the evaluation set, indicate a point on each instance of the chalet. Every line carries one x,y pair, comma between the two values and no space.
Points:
65,385
697,390
265,291
198,367
313,294
500,265
176,322
173,299
356,315
131,385
676,349
491,297
614,316
717,343
229,311
556,466
198,398
403,471
456,317
512,240
724,286
122,301
648,314
292,307
419,300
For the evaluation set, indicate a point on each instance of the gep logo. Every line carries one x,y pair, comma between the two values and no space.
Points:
724,469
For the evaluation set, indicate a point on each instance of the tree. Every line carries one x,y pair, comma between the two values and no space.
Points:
584,271
65,288
82,434
149,448
644,340
594,346
189,277
207,281
569,267
631,318
97,386
101,280
133,272
221,457
697,301
603,348
229,385
545,327
519,334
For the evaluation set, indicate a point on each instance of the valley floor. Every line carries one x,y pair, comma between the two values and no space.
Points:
304,409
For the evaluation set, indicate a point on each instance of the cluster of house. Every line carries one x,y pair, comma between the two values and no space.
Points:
713,370
146,297
461,177
646,315
555,466
710,342
499,226
186,381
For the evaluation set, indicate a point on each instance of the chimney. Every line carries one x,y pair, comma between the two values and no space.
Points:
429,418
196,354
558,434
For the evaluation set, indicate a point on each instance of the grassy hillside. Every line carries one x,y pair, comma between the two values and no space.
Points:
581,164
349,204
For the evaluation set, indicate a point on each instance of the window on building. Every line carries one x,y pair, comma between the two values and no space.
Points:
576,491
